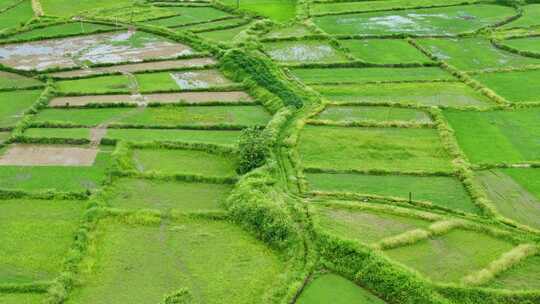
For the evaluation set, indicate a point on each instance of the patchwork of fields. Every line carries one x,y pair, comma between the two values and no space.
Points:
276,151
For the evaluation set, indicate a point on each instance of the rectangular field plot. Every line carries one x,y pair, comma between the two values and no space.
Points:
80,101
295,30
199,116
199,97
497,136
15,16
67,29
189,80
127,46
165,195
189,162
303,51
19,298
67,8
59,178
474,54
390,149
331,288
365,226
450,257
14,104
190,15
209,259
384,51
372,113
220,24
48,155
218,137
525,275
83,117
515,193
514,86
426,93
531,17
363,75
528,44
36,236
16,81
138,67
433,21
97,85
442,191
58,133
320,8
224,36
278,10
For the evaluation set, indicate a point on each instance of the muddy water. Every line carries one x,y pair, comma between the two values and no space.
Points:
127,46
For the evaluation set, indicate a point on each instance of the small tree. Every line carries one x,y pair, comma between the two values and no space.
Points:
253,146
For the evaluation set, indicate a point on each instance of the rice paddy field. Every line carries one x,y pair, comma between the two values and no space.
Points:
269,152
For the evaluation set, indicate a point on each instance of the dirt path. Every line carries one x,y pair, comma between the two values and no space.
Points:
37,8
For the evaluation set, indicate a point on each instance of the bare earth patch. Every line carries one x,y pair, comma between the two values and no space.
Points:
44,155
137,67
198,97
79,101
127,46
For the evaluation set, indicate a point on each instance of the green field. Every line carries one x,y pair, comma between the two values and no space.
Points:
228,138
372,113
373,149
524,276
474,54
328,7
303,51
449,94
57,133
96,85
224,36
61,30
16,16
384,51
184,162
209,259
277,10
17,298
497,136
531,17
514,86
362,75
189,15
442,191
529,44
165,195
176,81
515,193
365,226
323,289
35,234
450,257
70,8
433,21
15,81
13,104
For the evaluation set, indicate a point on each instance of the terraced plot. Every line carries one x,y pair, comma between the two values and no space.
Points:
384,51
225,36
13,104
303,51
189,15
219,137
60,30
340,7
528,44
339,114
522,277
324,288
15,81
531,15
519,86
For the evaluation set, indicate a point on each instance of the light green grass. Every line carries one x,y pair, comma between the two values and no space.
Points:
434,21
362,75
525,275
366,6
440,190
21,298
35,237
13,105
277,10
514,86
372,113
184,162
373,148
216,261
167,81
84,117
199,115
427,94
165,195
41,178
73,133
365,226
384,51
17,15
515,193
11,80
531,17
450,257
303,51
331,288
474,54
189,15
497,136
96,85
60,30
228,138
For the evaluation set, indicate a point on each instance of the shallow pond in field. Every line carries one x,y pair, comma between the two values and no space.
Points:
126,46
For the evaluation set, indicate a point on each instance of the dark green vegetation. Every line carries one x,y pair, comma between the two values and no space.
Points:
325,152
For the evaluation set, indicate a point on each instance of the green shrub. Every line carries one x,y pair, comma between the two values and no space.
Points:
254,149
